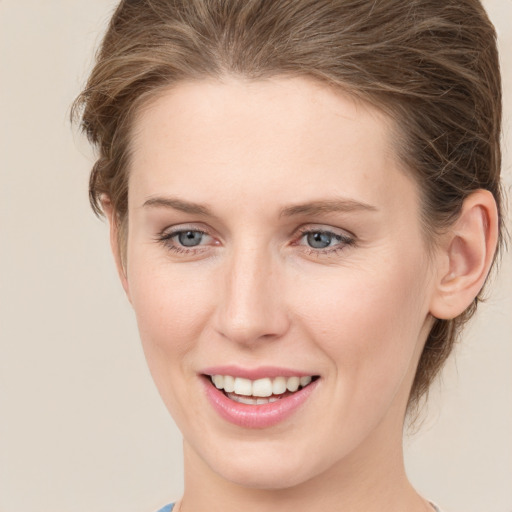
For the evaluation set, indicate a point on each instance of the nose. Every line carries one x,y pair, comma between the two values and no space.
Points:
251,305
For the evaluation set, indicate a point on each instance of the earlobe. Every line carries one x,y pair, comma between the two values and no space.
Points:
466,256
114,243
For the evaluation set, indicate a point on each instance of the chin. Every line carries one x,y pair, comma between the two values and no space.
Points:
271,477
266,469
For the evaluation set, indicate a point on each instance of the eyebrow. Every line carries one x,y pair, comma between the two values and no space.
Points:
178,204
341,205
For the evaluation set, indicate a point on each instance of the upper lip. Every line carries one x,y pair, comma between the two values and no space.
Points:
259,372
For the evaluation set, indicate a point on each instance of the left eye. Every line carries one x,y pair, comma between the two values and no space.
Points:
321,239
324,239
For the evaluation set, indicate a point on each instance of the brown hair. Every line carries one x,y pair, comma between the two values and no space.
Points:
432,65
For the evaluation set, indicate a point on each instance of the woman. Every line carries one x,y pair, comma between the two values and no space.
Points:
304,203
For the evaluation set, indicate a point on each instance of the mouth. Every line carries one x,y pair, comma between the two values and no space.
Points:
258,398
261,391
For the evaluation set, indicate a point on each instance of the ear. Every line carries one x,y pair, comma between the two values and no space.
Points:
114,242
465,256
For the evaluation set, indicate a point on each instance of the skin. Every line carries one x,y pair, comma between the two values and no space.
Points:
255,293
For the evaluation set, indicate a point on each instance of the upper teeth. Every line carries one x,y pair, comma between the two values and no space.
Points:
261,387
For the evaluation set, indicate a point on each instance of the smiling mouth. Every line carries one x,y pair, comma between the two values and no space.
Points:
260,391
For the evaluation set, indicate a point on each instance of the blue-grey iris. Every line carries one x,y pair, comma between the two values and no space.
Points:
319,240
190,238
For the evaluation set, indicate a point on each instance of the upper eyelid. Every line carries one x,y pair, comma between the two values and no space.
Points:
180,228
343,240
319,228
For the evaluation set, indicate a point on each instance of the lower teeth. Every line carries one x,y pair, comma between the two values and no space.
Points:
250,400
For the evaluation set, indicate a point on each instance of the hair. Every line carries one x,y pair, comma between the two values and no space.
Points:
431,65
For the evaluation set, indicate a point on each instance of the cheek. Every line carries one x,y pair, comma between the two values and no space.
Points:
369,322
171,303
171,306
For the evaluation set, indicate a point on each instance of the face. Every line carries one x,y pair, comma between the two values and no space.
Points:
279,276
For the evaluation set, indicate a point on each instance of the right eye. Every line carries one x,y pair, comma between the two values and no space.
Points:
185,240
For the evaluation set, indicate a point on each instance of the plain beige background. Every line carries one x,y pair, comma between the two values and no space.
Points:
81,425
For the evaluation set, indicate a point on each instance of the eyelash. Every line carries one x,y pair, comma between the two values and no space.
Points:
165,238
344,242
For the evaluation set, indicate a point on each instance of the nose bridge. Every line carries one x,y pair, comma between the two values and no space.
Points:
251,306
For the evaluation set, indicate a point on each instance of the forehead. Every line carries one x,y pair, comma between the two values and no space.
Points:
253,137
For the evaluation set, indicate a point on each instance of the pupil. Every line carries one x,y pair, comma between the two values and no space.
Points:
319,240
190,238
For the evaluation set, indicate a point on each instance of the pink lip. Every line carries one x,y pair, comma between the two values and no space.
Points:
256,416
254,373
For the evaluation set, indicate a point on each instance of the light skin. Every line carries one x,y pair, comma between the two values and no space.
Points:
257,173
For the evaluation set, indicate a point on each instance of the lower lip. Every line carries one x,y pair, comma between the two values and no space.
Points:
256,416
